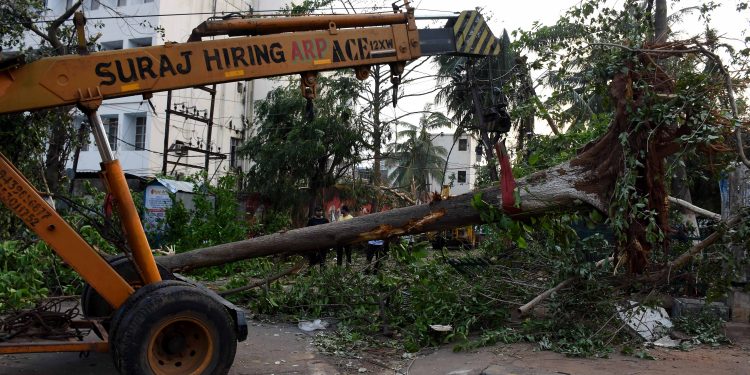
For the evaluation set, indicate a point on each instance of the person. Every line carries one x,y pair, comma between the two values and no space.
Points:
318,256
341,249
375,249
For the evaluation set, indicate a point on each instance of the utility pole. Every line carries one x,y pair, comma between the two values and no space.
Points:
210,123
166,134
184,149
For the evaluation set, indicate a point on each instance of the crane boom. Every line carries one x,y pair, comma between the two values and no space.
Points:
77,79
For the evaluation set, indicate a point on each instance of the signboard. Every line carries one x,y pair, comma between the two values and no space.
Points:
156,202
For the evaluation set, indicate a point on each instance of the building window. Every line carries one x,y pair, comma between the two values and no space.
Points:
461,177
463,144
140,42
234,143
109,46
110,126
122,3
95,4
140,133
364,174
148,1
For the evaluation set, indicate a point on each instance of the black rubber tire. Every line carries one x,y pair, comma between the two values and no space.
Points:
94,306
118,315
158,317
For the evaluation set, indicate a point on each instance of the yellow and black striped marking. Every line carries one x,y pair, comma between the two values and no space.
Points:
473,36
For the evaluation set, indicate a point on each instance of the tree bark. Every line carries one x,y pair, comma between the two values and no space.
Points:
661,26
558,188
377,137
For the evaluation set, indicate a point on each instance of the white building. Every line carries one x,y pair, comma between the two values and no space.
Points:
460,166
461,161
136,131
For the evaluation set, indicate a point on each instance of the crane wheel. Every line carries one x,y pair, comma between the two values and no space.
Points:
94,306
175,329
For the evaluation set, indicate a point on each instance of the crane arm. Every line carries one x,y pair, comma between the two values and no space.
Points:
88,79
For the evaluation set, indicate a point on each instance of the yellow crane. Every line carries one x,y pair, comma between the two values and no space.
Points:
152,323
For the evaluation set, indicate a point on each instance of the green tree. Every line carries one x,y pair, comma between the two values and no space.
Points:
39,143
378,95
294,157
417,160
214,220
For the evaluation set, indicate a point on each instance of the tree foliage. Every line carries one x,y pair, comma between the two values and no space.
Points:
39,143
294,157
416,160
215,218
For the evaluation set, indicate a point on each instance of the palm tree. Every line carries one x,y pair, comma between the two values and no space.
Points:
417,160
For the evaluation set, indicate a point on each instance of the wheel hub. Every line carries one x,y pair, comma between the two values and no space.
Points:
181,345
174,344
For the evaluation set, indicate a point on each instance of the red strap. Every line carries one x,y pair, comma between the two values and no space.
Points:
108,205
507,182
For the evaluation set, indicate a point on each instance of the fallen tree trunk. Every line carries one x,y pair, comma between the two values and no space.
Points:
632,146
556,188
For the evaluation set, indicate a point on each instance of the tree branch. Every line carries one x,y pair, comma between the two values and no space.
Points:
54,26
397,193
683,259
694,208
525,309
28,23
727,81
732,103
291,271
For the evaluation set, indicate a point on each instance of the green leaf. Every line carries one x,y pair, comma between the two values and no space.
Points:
521,242
533,159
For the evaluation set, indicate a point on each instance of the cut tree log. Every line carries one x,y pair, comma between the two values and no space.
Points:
556,188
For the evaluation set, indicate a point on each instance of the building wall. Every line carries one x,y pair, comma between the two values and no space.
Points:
461,161
233,100
134,23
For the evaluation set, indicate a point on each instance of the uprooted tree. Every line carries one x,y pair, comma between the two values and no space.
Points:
651,113
621,173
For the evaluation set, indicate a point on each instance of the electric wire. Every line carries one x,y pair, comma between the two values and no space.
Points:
264,12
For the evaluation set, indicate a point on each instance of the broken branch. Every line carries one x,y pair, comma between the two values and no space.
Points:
694,208
293,270
525,309
683,259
